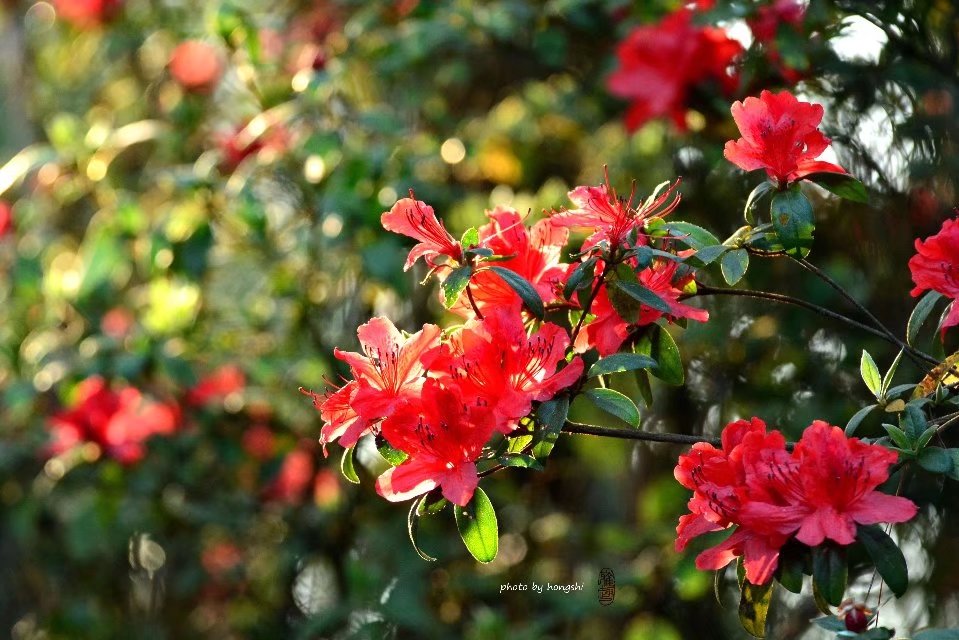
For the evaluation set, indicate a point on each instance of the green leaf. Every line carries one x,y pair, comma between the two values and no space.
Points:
455,284
693,235
412,521
734,265
470,238
897,435
619,362
891,373
642,381
886,556
520,460
551,416
870,374
391,454
706,255
819,601
857,419
661,347
913,421
792,218
641,294
926,437
754,197
615,403
791,572
936,460
829,573
954,474
829,623
346,466
523,289
841,184
478,527
920,314
581,277
754,607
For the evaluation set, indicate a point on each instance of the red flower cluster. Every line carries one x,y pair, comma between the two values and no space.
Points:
936,266
660,63
781,135
765,22
819,491
226,380
439,401
120,421
86,14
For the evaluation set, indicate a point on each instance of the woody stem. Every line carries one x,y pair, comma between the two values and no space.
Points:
589,301
634,434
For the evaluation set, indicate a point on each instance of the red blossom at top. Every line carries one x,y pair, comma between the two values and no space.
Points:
936,266
443,433
416,219
765,22
496,361
780,135
820,491
660,63
535,252
612,219
119,421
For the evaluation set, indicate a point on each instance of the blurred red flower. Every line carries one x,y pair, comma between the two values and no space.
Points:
241,143
259,442
779,134
293,479
119,421
936,266
6,219
660,63
223,382
196,66
85,14
765,22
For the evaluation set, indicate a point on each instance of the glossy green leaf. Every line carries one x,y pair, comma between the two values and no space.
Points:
347,468
734,265
412,522
937,634
842,184
661,347
870,374
920,314
581,277
642,294
694,236
619,362
470,238
936,460
550,418
455,284
755,196
391,454
887,557
521,461
707,255
792,218
523,289
646,391
829,573
754,603
478,528
857,419
615,403
890,374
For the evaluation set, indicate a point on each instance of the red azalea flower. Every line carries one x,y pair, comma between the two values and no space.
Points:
660,63
780,135
241,143
196,66
834,489
6,219
326,488
226,380
443,435
416,219
936,266
259,442
390,370
340,420
86,14
117,323
611,218
608,330
119,421
765,22
536,252
718,479
495,360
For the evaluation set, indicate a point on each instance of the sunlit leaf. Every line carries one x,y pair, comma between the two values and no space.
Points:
478,527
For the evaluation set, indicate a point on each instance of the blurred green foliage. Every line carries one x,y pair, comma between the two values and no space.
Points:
161,233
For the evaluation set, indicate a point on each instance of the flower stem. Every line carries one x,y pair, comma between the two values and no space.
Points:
469,294
635,434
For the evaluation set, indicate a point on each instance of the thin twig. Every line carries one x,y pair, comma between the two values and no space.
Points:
635,434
